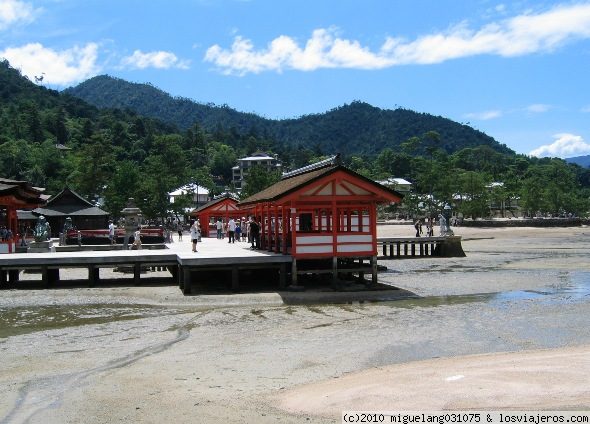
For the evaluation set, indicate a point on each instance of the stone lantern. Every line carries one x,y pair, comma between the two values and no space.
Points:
132,215
445,220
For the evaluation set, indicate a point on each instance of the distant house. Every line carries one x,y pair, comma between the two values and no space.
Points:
68,203
398,184
240,171
200,195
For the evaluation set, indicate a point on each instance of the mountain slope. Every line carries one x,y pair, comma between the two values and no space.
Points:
357,128
583,161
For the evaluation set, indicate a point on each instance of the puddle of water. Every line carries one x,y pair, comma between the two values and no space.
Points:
434,301
576,288
23,320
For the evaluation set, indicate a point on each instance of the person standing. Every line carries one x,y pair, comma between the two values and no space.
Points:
238,234
231,230
219,226
255,232
137,239
111,232
179,229
194,234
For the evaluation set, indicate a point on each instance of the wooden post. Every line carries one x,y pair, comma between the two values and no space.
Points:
421,249
180,277
187,280
399,249
294,272
93,275
235,279
13,277
374,270
334,272
136,273
283,276
53,276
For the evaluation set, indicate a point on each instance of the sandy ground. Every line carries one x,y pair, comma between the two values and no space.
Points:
505,327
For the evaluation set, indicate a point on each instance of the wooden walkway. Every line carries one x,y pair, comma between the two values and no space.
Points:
416,247
183,264
213,256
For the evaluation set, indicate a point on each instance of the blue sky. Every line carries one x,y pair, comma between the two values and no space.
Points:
517,70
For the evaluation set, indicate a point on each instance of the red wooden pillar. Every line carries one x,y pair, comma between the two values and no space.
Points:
285,228
12,221
293,214
276,246
373,225
271,216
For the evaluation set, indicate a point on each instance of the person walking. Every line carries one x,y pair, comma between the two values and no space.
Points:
194,234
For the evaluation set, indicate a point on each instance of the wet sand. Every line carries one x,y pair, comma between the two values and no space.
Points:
509,318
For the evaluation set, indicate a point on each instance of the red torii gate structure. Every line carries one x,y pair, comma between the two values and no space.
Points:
321,212
16,195
224,207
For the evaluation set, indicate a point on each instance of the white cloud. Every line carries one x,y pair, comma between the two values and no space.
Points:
485,116
16,11
564,146
586,109
157,59
538,108
59,67
517,36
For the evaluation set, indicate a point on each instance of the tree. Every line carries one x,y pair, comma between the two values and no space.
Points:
474,202
123,184
258,179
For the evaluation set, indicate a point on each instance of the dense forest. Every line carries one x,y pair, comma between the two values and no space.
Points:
357,128
54,139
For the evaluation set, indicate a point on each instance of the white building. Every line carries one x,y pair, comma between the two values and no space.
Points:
398,184
240,171
200,194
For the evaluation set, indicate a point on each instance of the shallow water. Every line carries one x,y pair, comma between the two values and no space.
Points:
29,319
572,287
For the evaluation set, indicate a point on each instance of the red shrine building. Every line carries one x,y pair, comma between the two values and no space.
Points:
324,216
223,207
15,195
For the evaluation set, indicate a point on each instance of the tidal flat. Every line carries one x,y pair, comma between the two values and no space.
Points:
149,354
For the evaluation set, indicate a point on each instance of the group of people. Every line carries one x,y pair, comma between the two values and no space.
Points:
241,230
445,228
429,227
5,234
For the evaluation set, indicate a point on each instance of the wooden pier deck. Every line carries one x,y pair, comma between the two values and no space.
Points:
183,264
214,256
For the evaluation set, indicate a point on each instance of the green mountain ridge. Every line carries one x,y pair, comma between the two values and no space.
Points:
113,154
583,161
355,128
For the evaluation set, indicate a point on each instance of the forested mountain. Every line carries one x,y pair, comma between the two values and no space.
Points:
53,139
583,161
357,128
